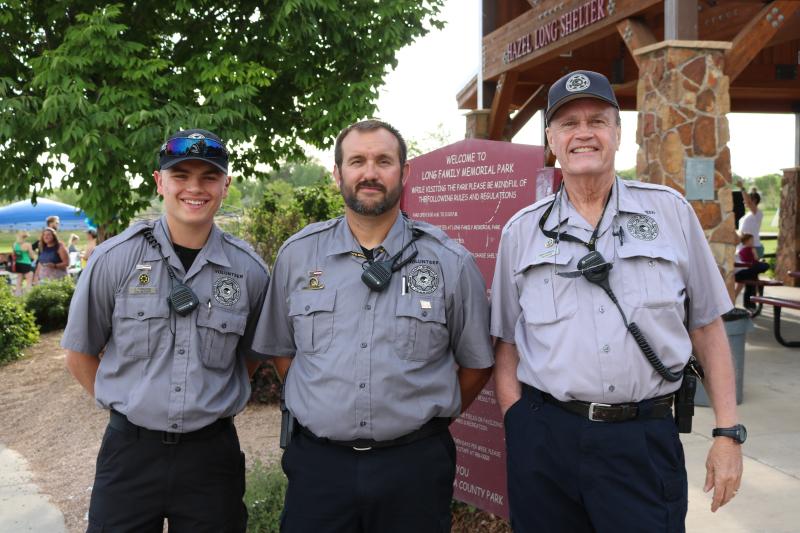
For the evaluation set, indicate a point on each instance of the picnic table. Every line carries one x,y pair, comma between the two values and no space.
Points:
778,304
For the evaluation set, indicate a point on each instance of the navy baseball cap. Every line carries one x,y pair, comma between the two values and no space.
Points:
578,84
199,145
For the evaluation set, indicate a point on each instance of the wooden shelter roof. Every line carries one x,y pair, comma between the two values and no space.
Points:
528,44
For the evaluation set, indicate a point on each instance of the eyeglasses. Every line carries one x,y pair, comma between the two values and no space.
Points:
183,146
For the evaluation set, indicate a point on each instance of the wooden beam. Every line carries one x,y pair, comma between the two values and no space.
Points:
757,33
524,33
537,101
636,34
501,104
680,20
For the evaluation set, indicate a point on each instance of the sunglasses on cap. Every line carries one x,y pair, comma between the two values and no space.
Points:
186,146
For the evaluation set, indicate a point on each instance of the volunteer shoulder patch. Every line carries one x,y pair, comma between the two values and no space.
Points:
423,279
227,291
643,227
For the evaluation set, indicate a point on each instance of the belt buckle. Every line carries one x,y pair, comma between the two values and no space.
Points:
356,448
591,410
170,438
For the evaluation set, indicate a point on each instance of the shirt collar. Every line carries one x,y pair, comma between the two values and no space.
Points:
211,252
343,240
628,203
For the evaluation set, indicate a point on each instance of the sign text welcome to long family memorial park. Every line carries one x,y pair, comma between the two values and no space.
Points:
470,189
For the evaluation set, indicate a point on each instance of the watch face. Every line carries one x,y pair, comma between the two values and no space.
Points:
742,434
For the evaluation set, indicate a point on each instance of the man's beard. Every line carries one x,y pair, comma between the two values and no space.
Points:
390,199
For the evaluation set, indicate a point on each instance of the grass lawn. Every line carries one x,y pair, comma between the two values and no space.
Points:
6,241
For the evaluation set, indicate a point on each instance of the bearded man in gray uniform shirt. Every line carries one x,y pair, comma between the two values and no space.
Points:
173,373
592,445
382,325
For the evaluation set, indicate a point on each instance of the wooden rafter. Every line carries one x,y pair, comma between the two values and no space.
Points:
635,34
757,33
535,102
501,104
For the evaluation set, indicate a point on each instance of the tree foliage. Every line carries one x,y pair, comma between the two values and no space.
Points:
93,90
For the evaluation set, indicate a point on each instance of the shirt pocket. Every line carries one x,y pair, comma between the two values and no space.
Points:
650,276
312,313
220,331
137,325
545,297
421,328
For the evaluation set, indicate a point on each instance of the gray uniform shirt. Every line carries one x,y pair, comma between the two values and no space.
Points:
164,371
571,339
368,364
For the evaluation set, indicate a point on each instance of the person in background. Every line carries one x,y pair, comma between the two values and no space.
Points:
751,221
52,222
746,255
73,243
53,257
25,257
91,243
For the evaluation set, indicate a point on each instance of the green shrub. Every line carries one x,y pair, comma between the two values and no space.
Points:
49,303
266,487
265,385
17,326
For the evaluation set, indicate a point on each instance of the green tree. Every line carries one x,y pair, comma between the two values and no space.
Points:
91,91
627,174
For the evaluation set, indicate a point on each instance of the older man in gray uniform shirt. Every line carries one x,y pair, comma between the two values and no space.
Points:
377,372
592,446
173,374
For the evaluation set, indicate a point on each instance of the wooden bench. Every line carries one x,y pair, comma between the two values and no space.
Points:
759,284
778,304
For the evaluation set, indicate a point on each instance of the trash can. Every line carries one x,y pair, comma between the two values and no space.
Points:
737,324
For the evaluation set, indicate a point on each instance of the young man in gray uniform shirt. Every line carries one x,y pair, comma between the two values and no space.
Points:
375,373
173,373
592,445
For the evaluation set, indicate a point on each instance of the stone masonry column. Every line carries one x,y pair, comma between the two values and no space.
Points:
683,98
477,124
789,232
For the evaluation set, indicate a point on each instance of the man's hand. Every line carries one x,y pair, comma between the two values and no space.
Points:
723,471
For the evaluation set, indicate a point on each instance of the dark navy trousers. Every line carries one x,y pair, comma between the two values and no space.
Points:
197,486
569,474
400,489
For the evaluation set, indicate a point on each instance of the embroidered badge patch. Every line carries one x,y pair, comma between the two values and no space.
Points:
423,279
314,283
144,278
643,227
227,291
577,82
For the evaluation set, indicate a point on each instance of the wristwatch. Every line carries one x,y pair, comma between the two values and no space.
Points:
737,433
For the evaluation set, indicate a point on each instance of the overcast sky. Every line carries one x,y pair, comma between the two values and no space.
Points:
421,94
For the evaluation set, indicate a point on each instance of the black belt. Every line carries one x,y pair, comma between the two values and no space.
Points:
616,412
120,422
431,427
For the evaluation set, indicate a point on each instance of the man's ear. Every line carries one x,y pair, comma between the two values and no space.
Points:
337,177
406,172
227,186
159,179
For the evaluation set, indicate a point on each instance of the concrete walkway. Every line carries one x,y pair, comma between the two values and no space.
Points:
769,498
22,507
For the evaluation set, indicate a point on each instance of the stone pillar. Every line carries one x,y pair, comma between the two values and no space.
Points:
477,124
789,231
683,98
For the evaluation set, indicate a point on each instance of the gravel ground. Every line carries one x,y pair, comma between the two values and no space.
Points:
52,422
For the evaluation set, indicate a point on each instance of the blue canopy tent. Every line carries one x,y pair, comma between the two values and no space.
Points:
25,215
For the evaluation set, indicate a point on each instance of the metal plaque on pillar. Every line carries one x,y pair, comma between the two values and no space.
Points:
699,172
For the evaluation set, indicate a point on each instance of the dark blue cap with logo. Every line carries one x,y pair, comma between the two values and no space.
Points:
199,145
578,84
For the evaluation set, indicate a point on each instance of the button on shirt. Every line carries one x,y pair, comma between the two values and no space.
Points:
368,364
165,371
570,337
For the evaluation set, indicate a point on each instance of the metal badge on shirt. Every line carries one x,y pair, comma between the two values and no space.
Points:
144,281
314,283
227,291
643,227
423,279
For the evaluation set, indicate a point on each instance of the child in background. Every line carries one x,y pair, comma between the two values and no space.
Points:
746,255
